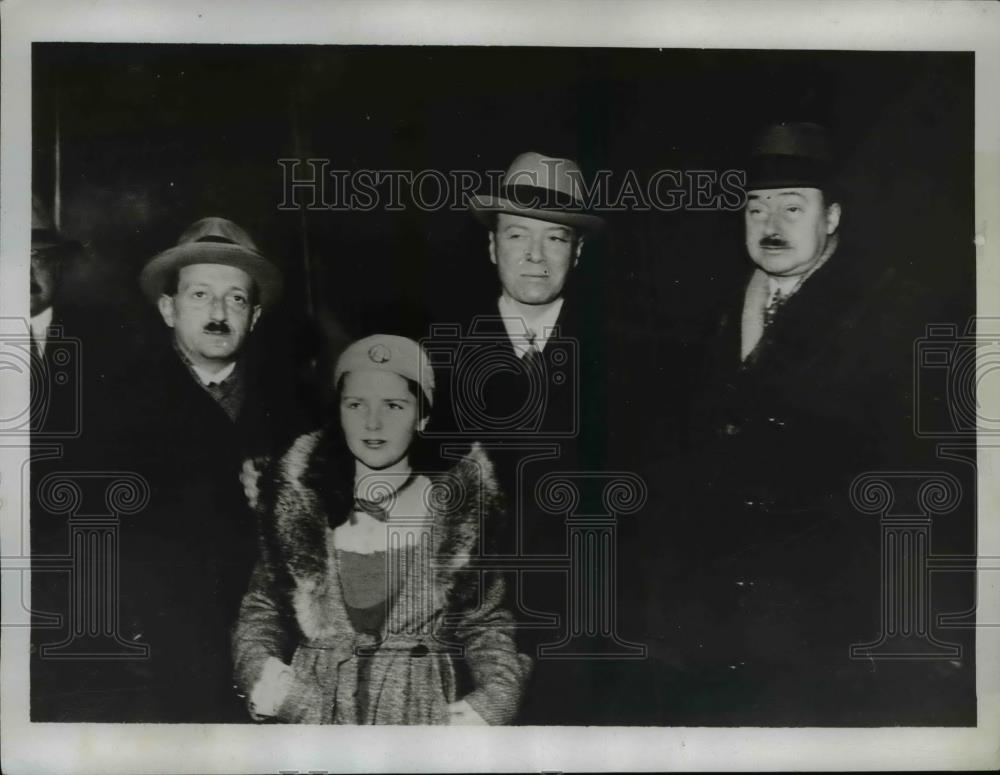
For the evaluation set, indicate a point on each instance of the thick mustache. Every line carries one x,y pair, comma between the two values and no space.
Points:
773,242
217,328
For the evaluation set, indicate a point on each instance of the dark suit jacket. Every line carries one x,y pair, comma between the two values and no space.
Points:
537,424
485,393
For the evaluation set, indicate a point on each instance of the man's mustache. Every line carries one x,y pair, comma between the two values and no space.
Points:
773,242
217,327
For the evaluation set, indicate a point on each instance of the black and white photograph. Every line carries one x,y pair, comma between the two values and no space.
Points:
619,393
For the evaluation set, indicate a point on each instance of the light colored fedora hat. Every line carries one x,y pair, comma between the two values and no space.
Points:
541,187
213,241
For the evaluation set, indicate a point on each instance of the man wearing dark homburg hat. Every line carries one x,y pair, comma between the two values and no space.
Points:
191,413
771,574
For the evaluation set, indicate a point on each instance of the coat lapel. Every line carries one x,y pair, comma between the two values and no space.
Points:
724,362
809,323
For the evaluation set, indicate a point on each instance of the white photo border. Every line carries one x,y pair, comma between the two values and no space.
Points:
773,24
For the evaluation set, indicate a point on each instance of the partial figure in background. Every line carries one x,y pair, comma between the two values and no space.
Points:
58,391
54,402
366,606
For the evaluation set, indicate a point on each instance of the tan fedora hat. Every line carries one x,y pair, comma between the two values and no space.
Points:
213,241
541,187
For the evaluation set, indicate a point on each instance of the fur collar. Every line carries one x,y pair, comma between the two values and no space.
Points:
294,521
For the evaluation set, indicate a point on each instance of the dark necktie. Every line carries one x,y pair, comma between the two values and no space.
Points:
228,394
532,357
218,390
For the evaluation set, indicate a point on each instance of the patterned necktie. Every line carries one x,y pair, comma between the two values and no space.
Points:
228,394
771,310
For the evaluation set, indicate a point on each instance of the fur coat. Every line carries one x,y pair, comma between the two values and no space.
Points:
446,636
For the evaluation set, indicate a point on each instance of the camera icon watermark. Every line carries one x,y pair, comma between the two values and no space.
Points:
497,391
51,409
950,370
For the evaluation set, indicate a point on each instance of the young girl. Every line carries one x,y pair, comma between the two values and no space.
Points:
366,607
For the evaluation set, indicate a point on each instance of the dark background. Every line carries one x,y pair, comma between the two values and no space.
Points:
153,136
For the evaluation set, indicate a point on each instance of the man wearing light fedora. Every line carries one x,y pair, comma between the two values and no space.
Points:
191,412
537,227
543,383
210,289
527,376
543,344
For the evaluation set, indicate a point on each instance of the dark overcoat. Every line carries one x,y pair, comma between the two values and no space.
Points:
185,558
763,573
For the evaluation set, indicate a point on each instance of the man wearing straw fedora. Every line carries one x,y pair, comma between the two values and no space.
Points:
537,226
210,290
191,414
526,377
517,360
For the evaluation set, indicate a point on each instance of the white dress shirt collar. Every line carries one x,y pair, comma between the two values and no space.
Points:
40,328
519,331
